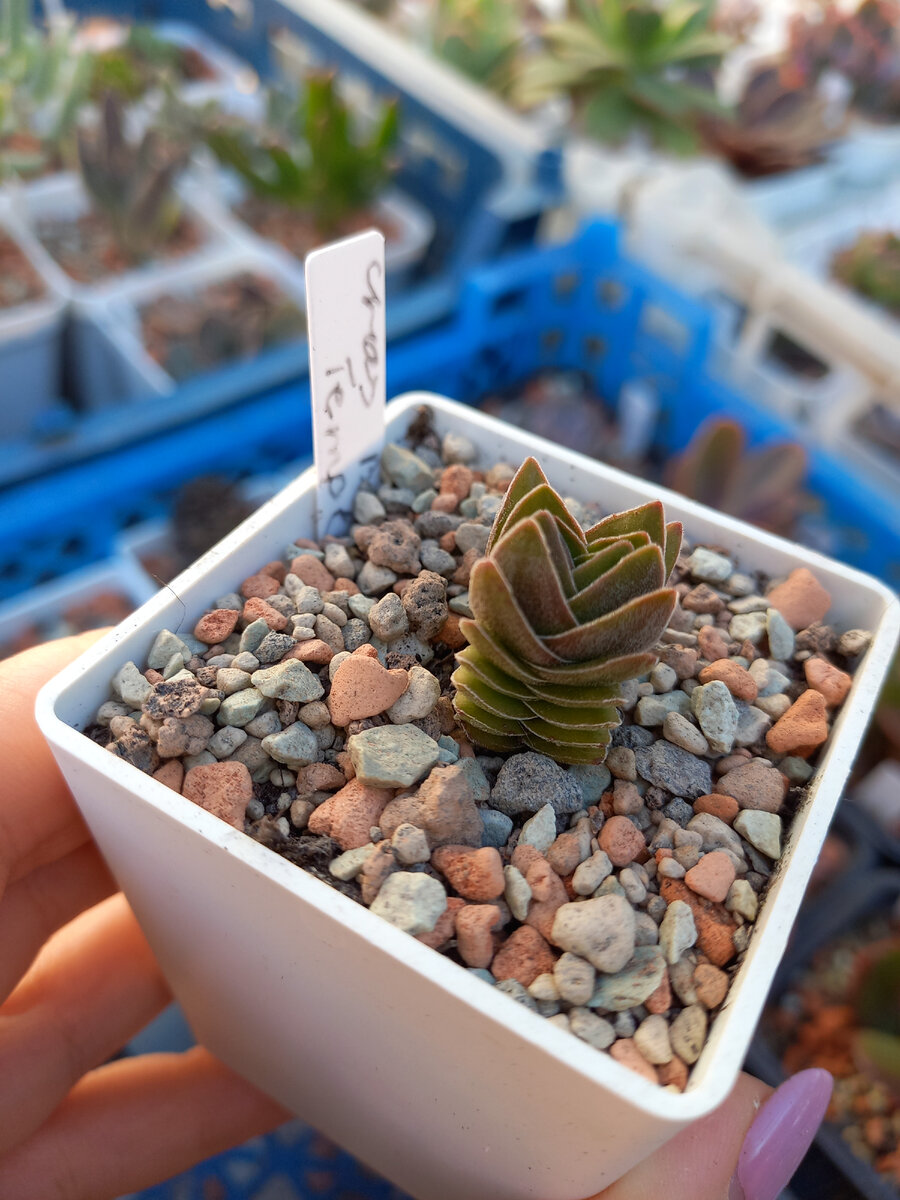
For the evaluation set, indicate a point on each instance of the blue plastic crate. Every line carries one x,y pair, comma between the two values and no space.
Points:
584,305
481,211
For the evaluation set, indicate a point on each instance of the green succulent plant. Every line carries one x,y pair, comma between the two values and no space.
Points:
871,266
630,65
763,486
143,60
562,617
315,160
477,37
131,181
876,1044
43,83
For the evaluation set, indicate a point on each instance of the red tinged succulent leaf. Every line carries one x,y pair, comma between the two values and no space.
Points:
495,607
649,519
627,629
674,534
558,550
544,499
523,556
642,571
601,561
528,477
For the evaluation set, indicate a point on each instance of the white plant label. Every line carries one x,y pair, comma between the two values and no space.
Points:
345,318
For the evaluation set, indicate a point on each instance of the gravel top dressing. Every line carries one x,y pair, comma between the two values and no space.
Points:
312,708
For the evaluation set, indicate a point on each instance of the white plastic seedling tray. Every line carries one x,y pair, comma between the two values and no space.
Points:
412,225
426,1073
118,323
30,342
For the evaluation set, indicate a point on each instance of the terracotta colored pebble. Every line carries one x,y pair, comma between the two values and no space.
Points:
712,644
313,572
171,773
463,572
660,1001
306,544
755,784
524,857
260,585
475,874
736,678
349,814
624,1051
256,608
474,939
548,893
712,876
445,927
319,777
366,650
523,956
223,788
710,984
447,541
715,928
275,568
153,676
362,688
833,683
444,503
313,651
456,480
216,626
801,599
802,728
622,841
449,633
726,808
673,1073
341,584
663,852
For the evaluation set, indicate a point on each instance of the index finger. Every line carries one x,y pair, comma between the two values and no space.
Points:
39,821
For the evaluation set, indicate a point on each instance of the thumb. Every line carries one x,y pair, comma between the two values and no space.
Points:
747,1149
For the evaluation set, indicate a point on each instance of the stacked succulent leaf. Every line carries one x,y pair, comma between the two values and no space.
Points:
562,617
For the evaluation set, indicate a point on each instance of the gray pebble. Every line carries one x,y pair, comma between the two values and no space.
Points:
594,1030
600,930
678,730
591,873
387,618
295,746
574,978
653,710
540,830
717,715
497,825
633,984
367,508
411,901
517,893
708,566
528,781
677,931
688,1033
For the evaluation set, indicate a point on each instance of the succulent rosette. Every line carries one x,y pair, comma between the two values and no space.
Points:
562,617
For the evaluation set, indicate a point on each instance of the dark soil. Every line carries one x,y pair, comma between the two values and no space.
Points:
87,250
237,318
19,282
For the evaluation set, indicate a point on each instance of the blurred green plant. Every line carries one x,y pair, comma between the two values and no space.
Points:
630,66
763,486
871,267
480,38
312,157
131,181
43,83
143,60
562,617
876,1043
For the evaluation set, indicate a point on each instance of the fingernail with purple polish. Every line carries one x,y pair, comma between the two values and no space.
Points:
780,1136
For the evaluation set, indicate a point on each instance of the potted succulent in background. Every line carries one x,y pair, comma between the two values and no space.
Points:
189,874
43,82
123,213
630,69
312,173
870,266
837,1008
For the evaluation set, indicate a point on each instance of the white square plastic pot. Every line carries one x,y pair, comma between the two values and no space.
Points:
426,1073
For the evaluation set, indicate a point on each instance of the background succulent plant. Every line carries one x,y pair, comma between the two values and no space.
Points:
763,486
871,266
562,617
43,82
312,157
877,1040
131,181
630,65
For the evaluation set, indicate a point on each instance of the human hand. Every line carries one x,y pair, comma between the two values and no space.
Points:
77,981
